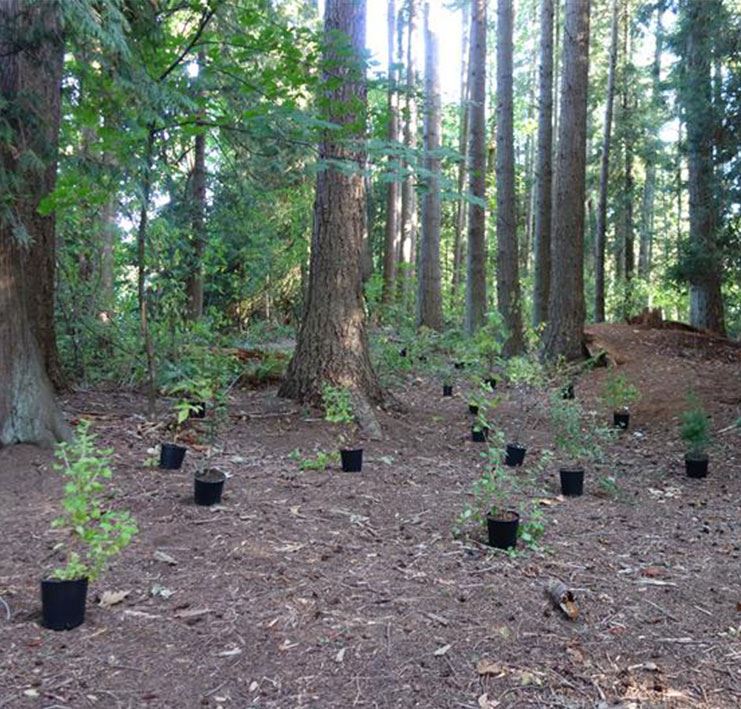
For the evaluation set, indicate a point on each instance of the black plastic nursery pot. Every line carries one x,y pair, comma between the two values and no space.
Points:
63,603
572,481
473,409
171,456
492,382
568,391
479,435
199,410
209,484
459,365
447,390
502,527
515,455
352,460
696,466
403,352
621,419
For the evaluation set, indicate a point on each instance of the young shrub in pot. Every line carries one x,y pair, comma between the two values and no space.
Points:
695,432
527,377
577,441
96,534
618,394
338,410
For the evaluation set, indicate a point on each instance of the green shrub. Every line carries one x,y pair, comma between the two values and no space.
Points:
695,428
618,393
97,534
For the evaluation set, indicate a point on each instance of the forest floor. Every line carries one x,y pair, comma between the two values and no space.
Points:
328,589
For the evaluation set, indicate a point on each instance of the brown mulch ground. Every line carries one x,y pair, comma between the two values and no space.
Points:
324,589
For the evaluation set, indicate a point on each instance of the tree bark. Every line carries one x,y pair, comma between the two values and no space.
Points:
30,80
564,332
429,295
544,172
652,150
508,276
393,194
409,221
706,301
600,236
476,272
332,343
198,217
461,206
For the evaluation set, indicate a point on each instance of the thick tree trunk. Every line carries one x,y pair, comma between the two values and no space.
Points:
37,84
107,249
476,272
30,81
652,151
461,206
332,343
564,333
393,194
409,221
600,236
508,276
544,172
706,301
429,295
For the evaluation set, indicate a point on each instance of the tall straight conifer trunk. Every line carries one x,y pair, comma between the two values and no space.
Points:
544,171
332,343
476,272
31,52
393,193
601,231
704,265
429,295
563,336
508,277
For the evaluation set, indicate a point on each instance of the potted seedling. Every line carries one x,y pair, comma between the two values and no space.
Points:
481,426
490,493
695,432
487,345
477,400
619,394
338,410
577,441
527,378
95,534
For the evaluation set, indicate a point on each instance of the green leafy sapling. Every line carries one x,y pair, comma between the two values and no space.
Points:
487,343
695,429
97,534
618,393
577,437
527,377
338,409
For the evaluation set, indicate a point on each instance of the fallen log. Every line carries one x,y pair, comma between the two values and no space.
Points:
562,598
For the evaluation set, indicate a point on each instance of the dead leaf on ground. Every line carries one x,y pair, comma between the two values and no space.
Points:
111,598
489,667
486,703
441,650
165,557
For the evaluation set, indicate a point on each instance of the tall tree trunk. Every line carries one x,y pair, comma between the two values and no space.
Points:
429,295
508,276
544,171
107,250
30,82
198,216
461,205
563,336
409,221
393,194
652,150
601,235
332,343
706,301
476,272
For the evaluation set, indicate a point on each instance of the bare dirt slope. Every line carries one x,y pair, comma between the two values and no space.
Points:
324,589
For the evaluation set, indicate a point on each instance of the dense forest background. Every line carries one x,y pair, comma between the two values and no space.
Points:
160,160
